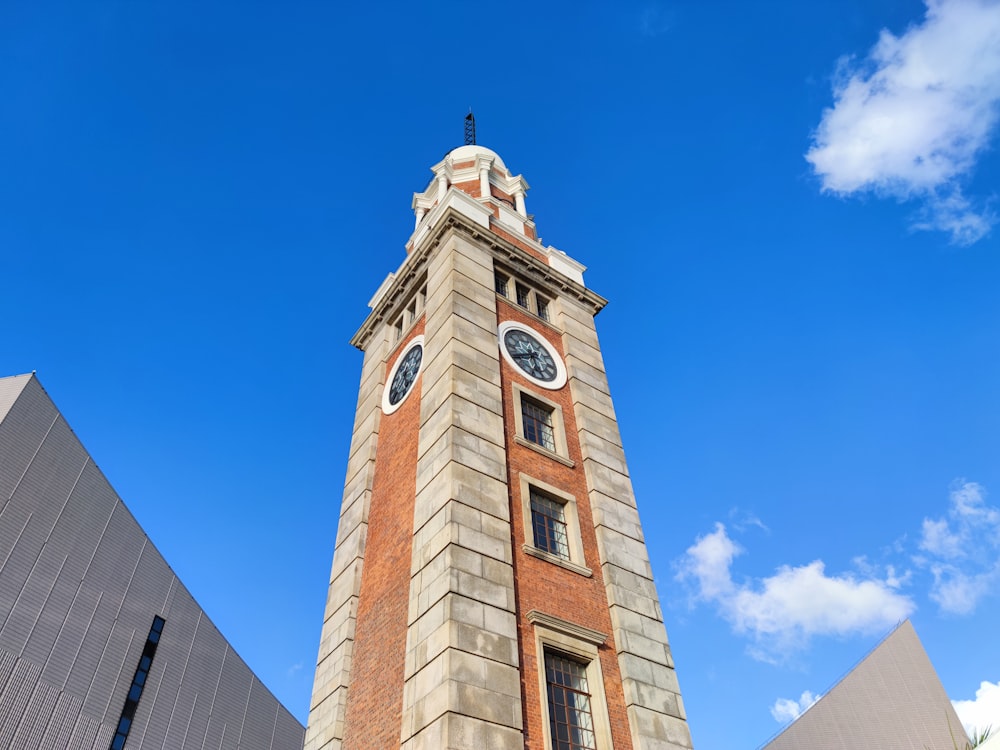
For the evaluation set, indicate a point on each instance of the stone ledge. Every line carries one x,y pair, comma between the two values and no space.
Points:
571,629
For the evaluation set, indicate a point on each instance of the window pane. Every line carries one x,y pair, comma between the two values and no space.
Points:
543,307
537,422
548,520
500,281
570,720
522,294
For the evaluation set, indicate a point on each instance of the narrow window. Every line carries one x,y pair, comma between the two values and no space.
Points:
138,681
548,523
571,721
543,307
522,294
500,282
398,329
537,421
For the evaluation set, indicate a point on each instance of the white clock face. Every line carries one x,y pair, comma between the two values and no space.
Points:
403,375
532,354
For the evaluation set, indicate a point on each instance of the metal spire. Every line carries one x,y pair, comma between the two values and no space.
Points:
470,129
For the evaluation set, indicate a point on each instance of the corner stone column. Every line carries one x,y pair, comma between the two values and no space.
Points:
652,695
462,689
325,729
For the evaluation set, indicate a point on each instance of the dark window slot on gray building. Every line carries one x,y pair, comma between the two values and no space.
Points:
138,681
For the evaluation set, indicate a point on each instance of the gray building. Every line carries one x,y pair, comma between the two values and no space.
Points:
892,700
101,646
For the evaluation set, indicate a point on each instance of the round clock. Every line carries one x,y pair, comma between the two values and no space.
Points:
532,354
403,375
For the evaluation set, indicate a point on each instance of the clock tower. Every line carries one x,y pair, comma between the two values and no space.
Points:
491,586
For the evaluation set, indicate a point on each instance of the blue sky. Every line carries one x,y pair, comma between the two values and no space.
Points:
791,207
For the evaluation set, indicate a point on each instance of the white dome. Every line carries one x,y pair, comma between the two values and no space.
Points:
466,153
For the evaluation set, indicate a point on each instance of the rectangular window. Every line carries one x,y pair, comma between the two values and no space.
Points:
410,313
138,681
548,523
537,423
543,307
523,294
571,722
551,525
500,282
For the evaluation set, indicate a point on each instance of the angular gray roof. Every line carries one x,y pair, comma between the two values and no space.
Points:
81,586
10,389
892,700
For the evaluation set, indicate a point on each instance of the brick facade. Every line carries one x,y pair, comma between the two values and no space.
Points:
541,585
375,706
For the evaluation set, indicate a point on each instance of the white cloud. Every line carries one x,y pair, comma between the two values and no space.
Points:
786,710
963,550
958,592
742,520
939,540
982,712
910,120
781,613
887,573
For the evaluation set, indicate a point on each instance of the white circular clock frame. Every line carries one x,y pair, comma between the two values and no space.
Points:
553,385
388,408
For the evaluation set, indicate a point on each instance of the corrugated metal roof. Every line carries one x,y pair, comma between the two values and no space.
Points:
10,389
892,700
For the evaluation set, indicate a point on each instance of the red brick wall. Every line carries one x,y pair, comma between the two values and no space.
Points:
375,694
542,585
519,241
469,186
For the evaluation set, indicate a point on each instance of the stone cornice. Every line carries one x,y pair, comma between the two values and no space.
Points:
551,622
512,257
